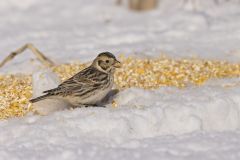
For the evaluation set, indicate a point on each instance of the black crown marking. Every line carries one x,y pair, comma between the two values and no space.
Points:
108,54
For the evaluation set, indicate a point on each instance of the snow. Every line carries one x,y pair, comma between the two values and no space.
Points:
166,111
167,123
44,80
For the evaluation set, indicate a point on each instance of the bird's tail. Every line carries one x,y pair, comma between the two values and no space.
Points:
39,98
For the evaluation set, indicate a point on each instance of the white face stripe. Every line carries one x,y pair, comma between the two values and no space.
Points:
100,68
103,59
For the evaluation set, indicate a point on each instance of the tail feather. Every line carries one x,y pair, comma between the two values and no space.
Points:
50,90
39,98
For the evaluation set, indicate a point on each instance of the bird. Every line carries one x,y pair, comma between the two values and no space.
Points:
89,86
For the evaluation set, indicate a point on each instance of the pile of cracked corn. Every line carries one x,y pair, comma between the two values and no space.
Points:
16,90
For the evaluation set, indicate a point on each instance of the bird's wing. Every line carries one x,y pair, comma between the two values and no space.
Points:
81,82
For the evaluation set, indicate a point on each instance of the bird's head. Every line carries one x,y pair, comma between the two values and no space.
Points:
106,62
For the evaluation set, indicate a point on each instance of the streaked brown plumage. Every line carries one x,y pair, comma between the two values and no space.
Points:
89,86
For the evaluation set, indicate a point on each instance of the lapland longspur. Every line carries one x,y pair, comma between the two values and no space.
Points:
89,86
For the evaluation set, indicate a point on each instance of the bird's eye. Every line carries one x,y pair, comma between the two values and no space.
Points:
107,61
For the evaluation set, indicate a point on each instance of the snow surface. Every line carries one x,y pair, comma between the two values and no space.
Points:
168,123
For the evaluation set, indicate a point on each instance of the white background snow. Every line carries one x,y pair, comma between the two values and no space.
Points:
168,123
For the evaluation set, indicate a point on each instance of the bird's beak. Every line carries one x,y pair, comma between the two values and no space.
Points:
117,64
